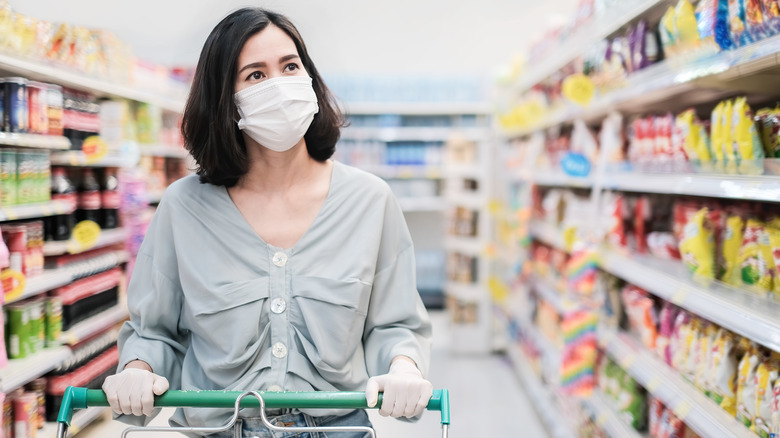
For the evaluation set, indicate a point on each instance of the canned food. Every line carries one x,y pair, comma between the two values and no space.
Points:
16,108
38,119
25,177
7,177
54,101
25,414
18,331
53,320
8,416
37,326
38,387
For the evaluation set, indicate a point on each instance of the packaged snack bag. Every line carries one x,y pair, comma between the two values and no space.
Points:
693,136
641,314
776,408
766,376
712,18
746,386
737,26
774,242
723,373
755,254
754,20
704,357
717,139
654,416
668,31
693,345
697,246
732,242
747,143
771,15
769,127
679,341
632,402
666,323
685,22
727,133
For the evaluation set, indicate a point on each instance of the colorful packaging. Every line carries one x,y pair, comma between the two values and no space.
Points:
769,127
36,326
693,346
641,314
704,357
693,136
666,323
754,20
747,142
776,408
18,331
723,373
737,26
681,340
632,402
732,242
685,23
697,247
727,137
746,385
755,255
667,30
766,376
25,414
774,242
717,139
53,312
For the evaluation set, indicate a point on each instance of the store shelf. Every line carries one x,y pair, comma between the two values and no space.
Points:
78,159
30,211
404,172
560,179
429,134
19,372
464,170
154,197
107,238
547,291
740,311
62,76
95,324
547,234
53,142
608,418
764,188
81,419
163,150
471,200
464,291
585,37
422,204
550,354
703,415
419,109
470,246
542,397
50,279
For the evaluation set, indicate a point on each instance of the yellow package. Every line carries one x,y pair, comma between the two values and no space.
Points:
748,146
685,22
694,137
732,242
668,32
776,408
766,376
723,373
746,386
679,345
716,134
697,247
766,261
705,361
774,242
754,254
728,123
693,349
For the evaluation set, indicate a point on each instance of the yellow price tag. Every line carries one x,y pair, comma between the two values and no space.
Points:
495,207
14,283
498,289
432,173
653,384
682,409
627,361
94,148
11,214
579,89
46,210
569,238
85,236
601,420
679,297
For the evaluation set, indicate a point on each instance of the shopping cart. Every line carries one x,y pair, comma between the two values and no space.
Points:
82,398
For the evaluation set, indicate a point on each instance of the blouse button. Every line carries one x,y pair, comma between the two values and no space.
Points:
278,305
280,259
279,350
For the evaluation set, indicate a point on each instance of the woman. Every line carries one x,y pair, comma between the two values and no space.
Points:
274,269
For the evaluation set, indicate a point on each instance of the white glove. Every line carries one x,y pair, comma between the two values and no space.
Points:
132,391
406,393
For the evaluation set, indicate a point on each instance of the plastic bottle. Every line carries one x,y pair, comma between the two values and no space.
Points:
110,200
59,227
89,198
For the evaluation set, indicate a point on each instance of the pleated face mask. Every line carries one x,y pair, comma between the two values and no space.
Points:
277,112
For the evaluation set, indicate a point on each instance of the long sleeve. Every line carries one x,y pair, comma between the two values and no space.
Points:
397,322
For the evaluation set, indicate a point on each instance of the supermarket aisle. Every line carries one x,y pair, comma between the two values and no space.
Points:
486,397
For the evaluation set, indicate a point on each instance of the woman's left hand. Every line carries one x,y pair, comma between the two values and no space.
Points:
405,392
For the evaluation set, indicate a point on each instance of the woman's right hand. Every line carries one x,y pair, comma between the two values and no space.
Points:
132,391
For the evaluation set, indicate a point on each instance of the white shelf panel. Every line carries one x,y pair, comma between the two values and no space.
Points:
473,201
550,293
738,310
703,415
50,279
753,188
62,76
560,179
470,246
107,238
404,171
95,324
551,355
163,150
465,292
53,142
81,419
464,170
547,234
417,109
435,204
19,372
432,134
154,197
78,159
608,418
51,208
585,38
541,396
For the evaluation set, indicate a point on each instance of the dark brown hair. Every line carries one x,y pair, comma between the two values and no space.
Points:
209,125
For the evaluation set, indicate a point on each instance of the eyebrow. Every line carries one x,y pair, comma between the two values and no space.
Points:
283,59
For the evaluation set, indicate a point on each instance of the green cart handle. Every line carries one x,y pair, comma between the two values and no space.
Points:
82,398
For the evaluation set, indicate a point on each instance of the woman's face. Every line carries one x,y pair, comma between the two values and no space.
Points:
271,53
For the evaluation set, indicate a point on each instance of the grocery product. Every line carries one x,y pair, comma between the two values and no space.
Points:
88,197
666,323
697,246
15,109
723,371
110,200
732,242
752,255
641,314
738,28
746,385
766,376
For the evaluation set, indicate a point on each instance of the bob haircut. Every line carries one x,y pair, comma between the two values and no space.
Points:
209,125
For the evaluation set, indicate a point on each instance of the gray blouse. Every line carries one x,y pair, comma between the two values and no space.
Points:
212,306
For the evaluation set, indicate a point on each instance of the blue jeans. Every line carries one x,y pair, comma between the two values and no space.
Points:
254,428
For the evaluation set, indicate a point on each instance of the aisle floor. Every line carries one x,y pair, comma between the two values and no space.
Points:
487,400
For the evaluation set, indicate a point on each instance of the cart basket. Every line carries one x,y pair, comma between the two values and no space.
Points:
82,398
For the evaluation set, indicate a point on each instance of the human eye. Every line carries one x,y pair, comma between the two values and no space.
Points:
255,76
291,67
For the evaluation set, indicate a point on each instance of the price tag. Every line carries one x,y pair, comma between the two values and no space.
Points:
14,283
627,361
653,384
46,210
495,207
601,420
682,409
433,173
579,89
85,236
11,214
94,148
569,238
679,297
405,173
490,251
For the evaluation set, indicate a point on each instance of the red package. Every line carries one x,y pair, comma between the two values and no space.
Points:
682,214
666,324
642,216
616,233
654,417
642,317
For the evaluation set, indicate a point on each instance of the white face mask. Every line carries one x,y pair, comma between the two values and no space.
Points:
277,112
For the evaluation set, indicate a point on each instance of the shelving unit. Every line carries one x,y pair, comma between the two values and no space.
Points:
95,324
608,418
703,415
550,293
163,150
78,159
418,108
30,211
107,238
34,141
81,419
547,234
19,372
440,134
423,204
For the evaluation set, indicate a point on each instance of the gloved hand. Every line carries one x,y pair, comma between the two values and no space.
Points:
406,393
132,391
